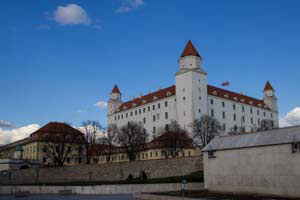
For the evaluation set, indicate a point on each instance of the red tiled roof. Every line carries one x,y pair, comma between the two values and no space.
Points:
268,86
54,129
211,90
190,50
160,94
116,90
226,94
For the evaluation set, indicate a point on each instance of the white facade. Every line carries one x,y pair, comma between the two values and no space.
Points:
190,98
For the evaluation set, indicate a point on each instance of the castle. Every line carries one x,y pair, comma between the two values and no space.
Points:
190,98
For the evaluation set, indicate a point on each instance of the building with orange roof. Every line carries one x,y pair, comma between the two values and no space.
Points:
190,98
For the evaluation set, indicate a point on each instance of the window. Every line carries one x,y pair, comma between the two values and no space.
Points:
167,127
157,116
199,110
211,101
257,112
264,114
69,148
156,154
153,118
122,116
233,106
258,121
144,120
243,109
189,152
251,120
223,104
212,112
243,118
224,127
140,111
151,154
183,98
183,89
154,129
234,117
251,111
223,115
235,128
153,107
44,160
68,160
135,112
79,160
115,117
118,117
144,110
166,104
166,115
45,149
126,115
271,115
131,113
158,105
199,97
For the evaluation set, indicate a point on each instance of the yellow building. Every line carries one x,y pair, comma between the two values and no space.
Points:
54,142
168,145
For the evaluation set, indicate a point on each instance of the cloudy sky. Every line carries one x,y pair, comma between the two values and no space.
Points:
59,59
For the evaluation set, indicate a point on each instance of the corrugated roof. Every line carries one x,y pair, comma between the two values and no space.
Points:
263,138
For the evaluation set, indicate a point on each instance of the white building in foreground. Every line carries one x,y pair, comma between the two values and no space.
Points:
192,97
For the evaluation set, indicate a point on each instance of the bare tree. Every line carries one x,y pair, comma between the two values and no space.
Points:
108,140
132,137
205,129
59,147
237,130
92,131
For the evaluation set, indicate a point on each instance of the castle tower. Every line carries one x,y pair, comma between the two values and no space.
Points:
191,87
269,97
114,100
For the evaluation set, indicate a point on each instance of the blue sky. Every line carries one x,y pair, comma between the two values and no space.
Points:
56,67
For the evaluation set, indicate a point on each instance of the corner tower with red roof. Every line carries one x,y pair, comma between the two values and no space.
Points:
115,100
269,97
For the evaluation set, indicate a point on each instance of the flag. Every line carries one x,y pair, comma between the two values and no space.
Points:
225,83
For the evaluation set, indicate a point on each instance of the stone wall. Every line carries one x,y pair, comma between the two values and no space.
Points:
109,172
270,170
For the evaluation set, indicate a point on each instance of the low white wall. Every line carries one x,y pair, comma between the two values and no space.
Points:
101,189
271,170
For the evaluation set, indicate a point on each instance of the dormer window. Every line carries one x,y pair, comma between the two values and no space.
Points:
155,98
46,136
144,101
251,102
215,93
235,98
134,104
125,107
242,100
259,105
226,96
169,94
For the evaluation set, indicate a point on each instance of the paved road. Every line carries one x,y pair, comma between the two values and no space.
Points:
70,197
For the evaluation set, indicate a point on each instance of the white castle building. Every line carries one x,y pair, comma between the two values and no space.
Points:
192,97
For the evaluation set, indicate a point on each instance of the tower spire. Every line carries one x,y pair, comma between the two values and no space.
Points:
190,50
268,86
116,90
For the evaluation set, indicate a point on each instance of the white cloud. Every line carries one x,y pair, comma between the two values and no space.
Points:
8,136
129,5
6,124
101,104
292,118
71,14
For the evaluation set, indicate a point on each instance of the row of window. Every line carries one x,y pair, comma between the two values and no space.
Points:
139,111
243,108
